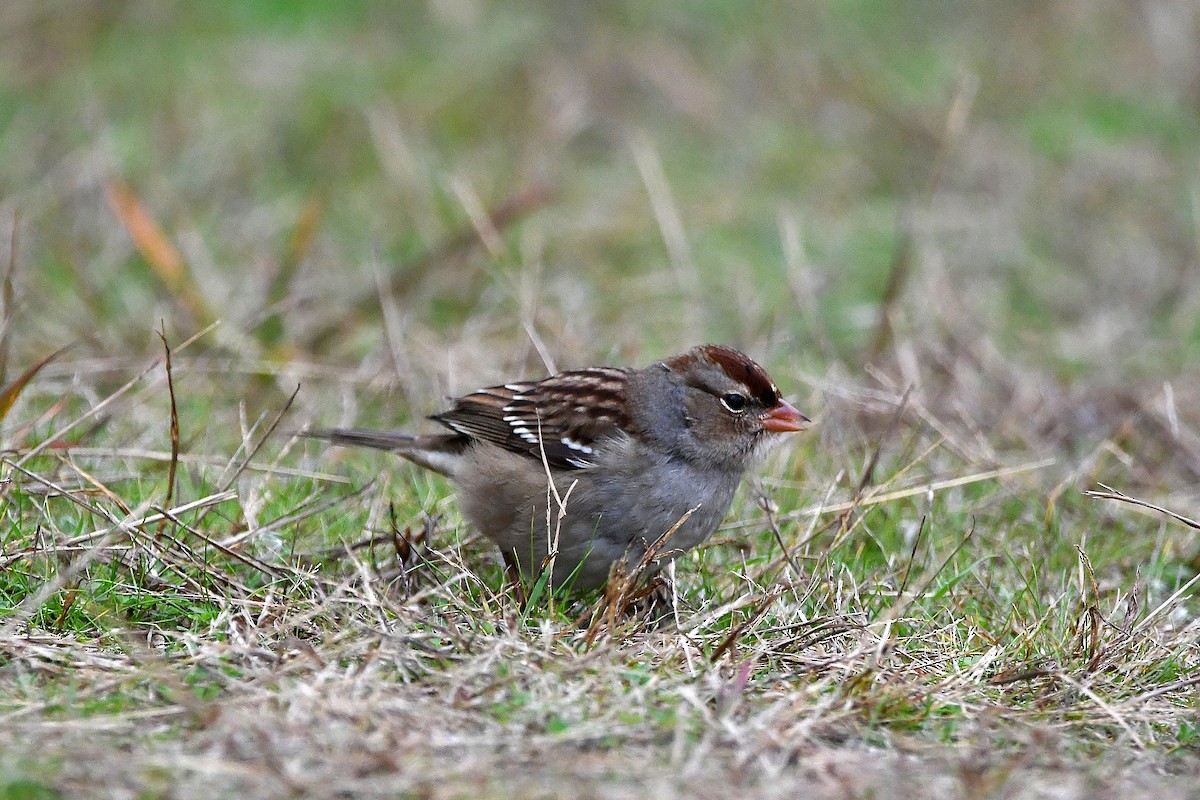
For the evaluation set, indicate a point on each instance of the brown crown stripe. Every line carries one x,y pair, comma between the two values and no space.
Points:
741,368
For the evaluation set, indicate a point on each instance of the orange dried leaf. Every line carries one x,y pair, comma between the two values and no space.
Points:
147,235
10,393
160,253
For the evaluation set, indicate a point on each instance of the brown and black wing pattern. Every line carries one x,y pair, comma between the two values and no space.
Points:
563,415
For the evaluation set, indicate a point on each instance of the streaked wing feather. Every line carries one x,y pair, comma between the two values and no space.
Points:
564,415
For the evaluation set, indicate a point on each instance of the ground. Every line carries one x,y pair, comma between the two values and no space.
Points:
962,237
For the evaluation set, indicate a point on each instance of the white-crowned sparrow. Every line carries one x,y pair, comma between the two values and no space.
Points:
631,452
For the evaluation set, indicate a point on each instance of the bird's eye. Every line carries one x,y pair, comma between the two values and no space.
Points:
734,402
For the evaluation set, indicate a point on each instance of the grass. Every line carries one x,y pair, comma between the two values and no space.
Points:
963,241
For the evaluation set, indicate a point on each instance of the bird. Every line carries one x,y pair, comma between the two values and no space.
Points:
575,472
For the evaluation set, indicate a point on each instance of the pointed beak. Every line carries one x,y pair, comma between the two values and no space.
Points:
784,418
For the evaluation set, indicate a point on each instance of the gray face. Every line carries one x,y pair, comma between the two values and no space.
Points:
726,414
704,415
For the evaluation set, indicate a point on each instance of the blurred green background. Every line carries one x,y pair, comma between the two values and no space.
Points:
682,170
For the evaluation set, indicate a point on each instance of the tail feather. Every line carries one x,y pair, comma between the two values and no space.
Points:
438,452
361,437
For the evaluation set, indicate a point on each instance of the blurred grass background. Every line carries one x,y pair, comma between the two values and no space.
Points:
1056,209
386,203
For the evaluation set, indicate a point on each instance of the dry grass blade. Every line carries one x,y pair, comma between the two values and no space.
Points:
480,219
112,496
789,558
1110,493
1089,625
174,462
912,557
671,229
195,505
10,393
905,601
